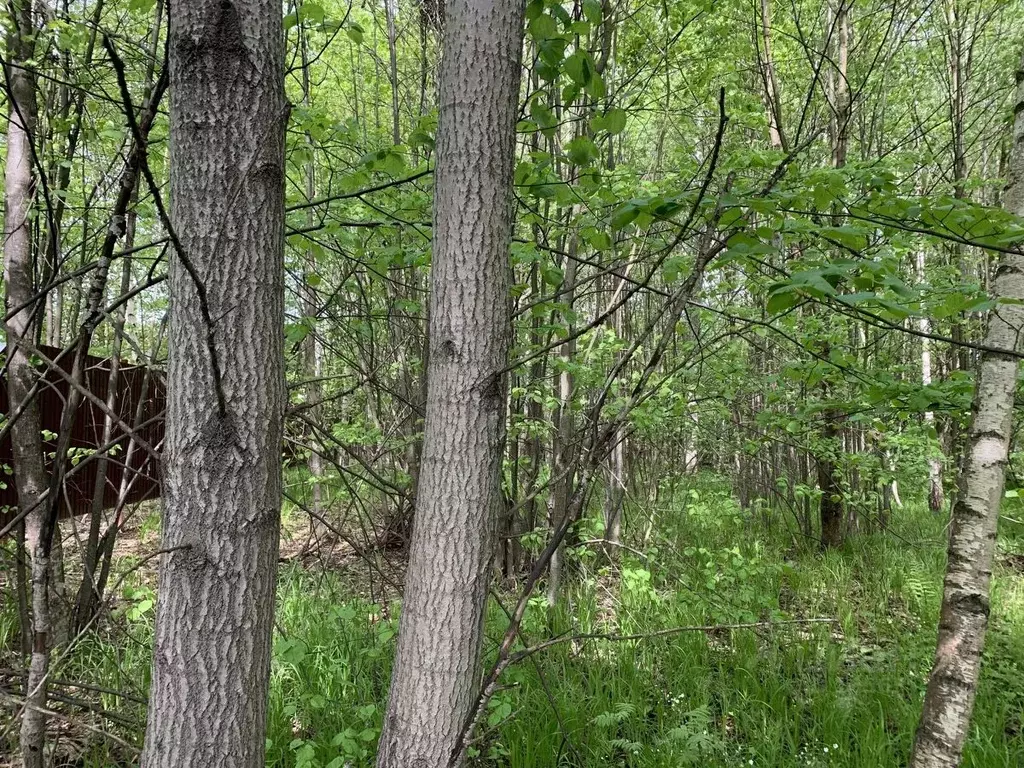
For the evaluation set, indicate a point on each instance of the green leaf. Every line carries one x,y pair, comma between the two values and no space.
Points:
551,275
292,651
420,138
551,51
823,198
612,122
782,299
598,239
582,151
312,12
295,333
729,217
355,33
543,27
542,114
579,67
624,216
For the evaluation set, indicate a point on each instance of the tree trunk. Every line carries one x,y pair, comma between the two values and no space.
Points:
30,477
390,10
842,92
90,595
958,46
773,94
312,349
436,664
615,491
222,458
563,448
963,621
831,508
935,490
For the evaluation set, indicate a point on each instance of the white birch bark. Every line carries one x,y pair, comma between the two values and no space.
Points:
935,490
953,683
30,477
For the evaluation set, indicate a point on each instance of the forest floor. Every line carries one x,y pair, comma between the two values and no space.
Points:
839,693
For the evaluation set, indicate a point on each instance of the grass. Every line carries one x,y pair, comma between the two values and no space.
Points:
843,694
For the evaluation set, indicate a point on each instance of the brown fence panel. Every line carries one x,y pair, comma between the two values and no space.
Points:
131,464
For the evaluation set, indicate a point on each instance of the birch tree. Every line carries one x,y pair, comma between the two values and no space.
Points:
22,329
963,621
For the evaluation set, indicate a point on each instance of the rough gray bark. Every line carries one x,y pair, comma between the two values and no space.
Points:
953,682
436,667
22,327
222,457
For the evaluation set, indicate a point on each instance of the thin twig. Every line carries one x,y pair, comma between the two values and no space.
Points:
165,219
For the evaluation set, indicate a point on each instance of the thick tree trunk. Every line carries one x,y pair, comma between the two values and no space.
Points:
222,458
436,666
953,682
30,477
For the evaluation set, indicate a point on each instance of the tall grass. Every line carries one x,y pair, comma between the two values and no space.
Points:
841,694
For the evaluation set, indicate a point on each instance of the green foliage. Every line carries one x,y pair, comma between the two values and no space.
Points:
844,696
